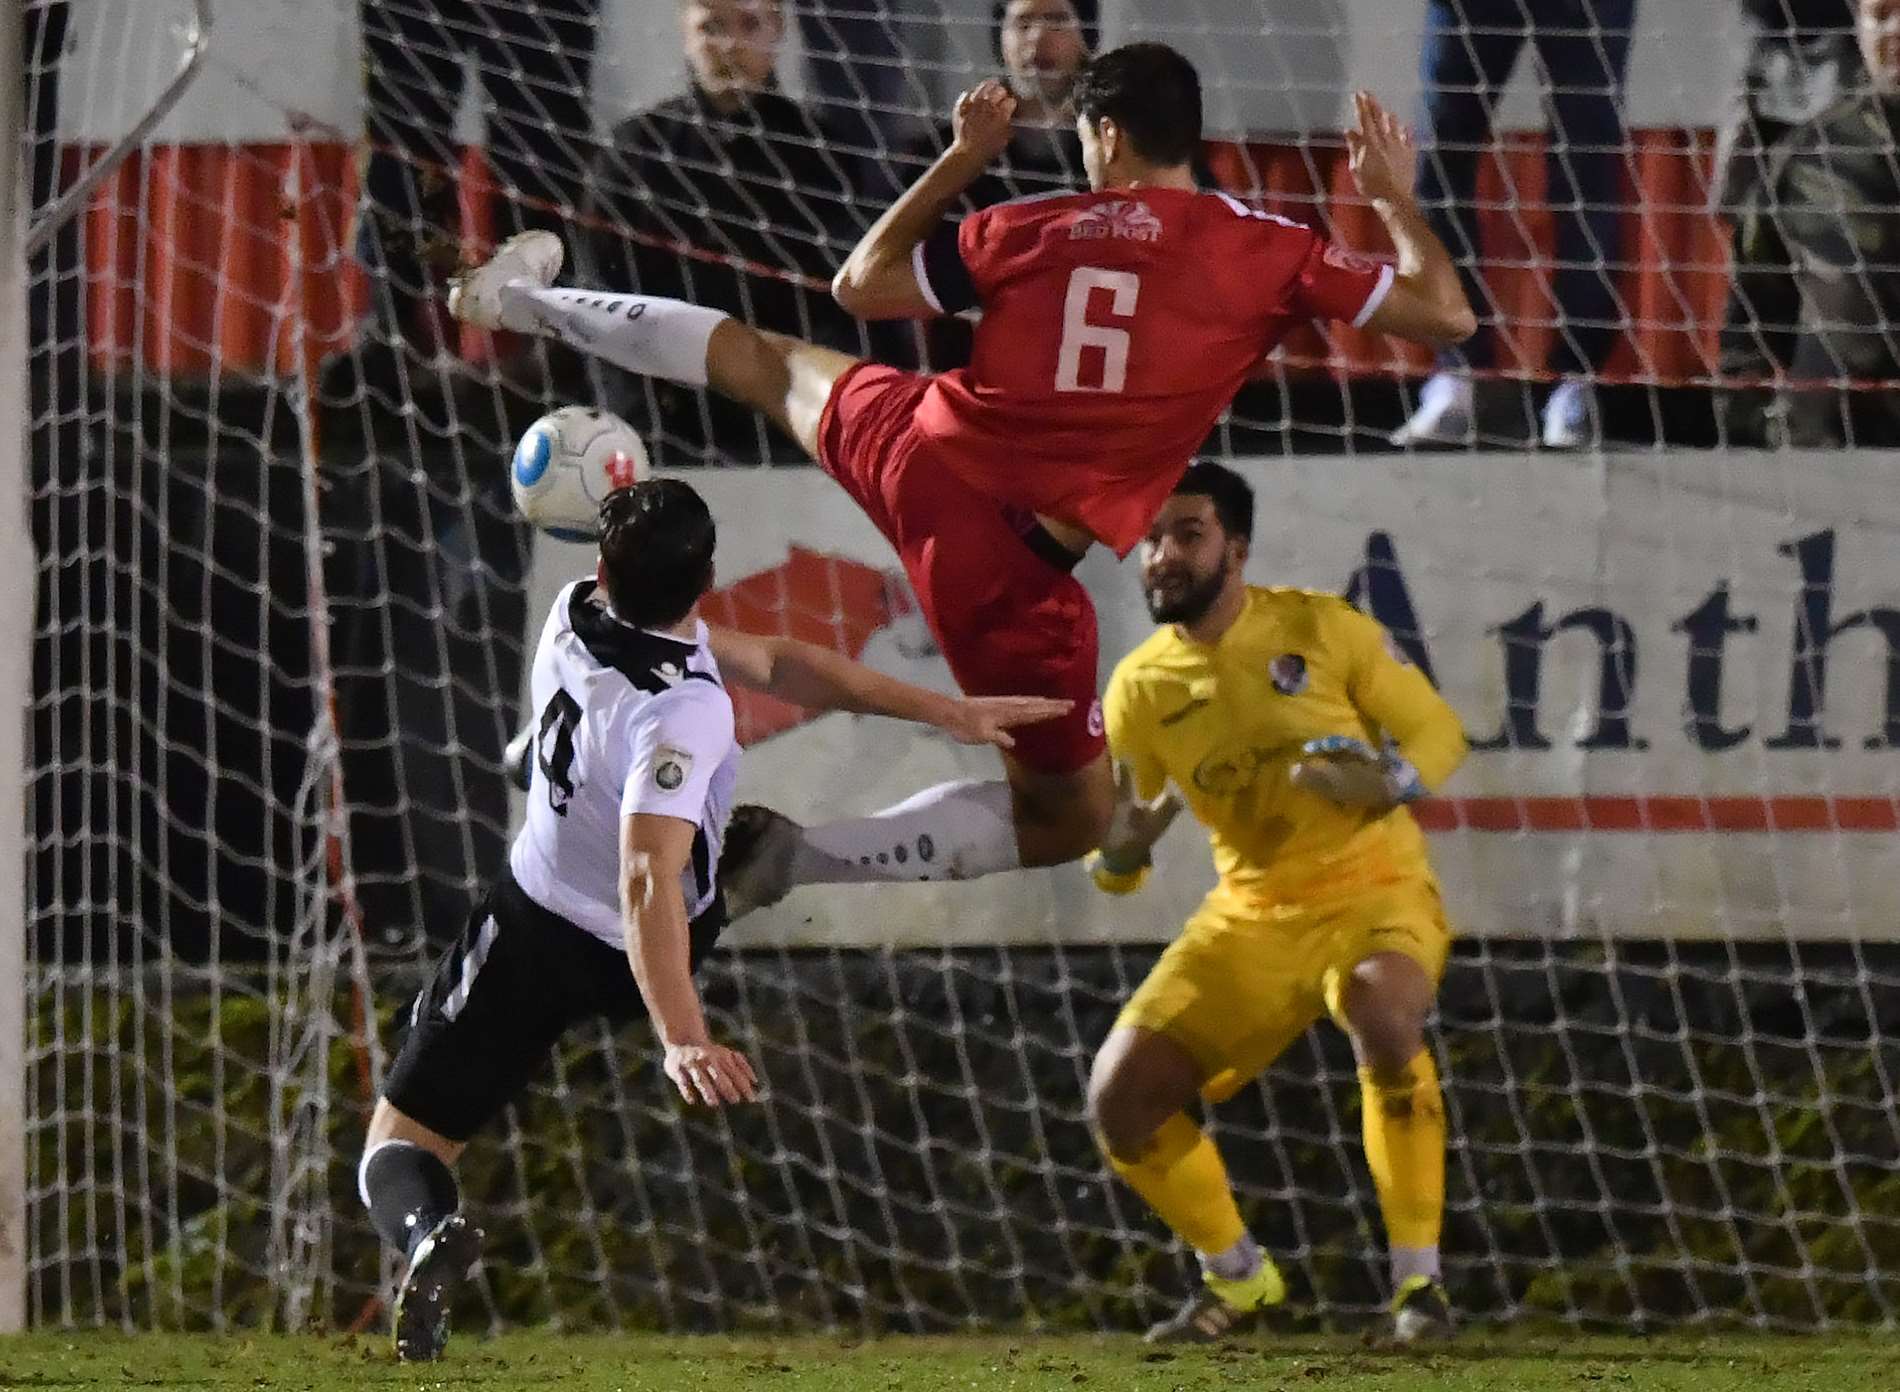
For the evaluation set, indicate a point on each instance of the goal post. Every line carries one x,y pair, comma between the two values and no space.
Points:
16,662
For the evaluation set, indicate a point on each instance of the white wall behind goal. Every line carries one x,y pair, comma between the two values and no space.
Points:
1272,65
1687,577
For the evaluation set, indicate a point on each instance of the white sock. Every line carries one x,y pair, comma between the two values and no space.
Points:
1237,1263
1413,1261
647,334
954,831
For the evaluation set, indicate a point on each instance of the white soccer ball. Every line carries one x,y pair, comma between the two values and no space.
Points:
566,465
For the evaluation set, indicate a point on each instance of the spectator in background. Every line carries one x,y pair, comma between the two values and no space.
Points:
1802,59
728,196
1583,49
1817,289
1042,45
534,62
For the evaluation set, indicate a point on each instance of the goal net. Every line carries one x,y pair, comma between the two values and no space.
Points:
282,611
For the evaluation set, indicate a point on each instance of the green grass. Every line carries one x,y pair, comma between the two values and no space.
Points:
1479,1362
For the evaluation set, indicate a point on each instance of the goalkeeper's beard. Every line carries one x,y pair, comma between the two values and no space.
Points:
1188,605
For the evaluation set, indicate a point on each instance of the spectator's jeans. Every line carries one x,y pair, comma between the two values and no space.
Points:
1583,47
534,62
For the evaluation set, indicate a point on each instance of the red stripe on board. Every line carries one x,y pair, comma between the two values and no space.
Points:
1660,813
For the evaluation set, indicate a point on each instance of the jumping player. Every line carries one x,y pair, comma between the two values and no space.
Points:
1117,325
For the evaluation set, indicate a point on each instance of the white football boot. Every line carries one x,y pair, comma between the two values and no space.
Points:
530,259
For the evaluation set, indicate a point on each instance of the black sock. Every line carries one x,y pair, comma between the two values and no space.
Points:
407,1192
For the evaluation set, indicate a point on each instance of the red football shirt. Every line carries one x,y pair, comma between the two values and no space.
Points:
1116,327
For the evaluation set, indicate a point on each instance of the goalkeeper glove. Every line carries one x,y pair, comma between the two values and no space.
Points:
1352,773
1134,826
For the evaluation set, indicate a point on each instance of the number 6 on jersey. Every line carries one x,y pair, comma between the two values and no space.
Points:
1078,333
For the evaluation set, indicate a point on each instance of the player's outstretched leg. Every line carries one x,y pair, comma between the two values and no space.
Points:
785,379
1385,1002
970,828
1139,1088
407,1185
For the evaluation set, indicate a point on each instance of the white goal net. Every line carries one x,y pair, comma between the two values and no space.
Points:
282,607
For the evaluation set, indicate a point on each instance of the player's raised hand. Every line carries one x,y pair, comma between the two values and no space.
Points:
1136,824
980,123
1380,153
989,719
710,1073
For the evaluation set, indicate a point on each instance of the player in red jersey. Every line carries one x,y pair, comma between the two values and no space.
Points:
1117,325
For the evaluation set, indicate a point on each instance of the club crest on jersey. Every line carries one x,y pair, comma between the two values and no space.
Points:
1123,218
1287,672
1346,259
670,767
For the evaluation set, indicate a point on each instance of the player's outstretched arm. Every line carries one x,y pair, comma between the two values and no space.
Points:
820,679
1427,301
877,280
653,853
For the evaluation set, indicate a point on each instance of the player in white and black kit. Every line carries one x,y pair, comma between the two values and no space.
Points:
610,896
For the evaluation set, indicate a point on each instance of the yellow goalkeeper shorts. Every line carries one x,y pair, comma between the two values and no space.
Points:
1245,980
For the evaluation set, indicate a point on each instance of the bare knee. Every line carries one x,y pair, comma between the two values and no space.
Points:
785,379
1120,1123
1139,1080
1386,1002
1060,818
748,366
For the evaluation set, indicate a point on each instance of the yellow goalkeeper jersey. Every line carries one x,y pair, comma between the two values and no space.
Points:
1225,723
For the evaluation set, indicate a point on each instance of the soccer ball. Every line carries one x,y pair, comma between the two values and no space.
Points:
566,465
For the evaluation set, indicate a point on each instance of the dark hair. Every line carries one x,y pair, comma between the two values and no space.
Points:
1086,17
1152,93
1231,495
656,547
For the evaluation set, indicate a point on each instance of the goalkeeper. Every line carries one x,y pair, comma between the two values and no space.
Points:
1297,732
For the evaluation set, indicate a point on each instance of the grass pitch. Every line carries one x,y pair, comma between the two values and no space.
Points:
1479,1362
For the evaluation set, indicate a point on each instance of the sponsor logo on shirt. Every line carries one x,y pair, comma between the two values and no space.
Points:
1123,218
1287,672
670,767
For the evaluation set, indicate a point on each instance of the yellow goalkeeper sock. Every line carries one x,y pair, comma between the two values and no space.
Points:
1405,1150
1182,1179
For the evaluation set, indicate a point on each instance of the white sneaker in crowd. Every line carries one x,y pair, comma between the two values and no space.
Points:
1570,417
1445,413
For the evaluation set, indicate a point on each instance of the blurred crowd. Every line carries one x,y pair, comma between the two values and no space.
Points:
736,194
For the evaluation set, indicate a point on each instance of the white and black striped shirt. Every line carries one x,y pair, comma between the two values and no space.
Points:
627,720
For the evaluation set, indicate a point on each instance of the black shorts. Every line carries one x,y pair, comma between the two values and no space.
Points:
514,983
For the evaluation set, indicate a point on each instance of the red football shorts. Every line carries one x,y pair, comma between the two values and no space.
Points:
1009,622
